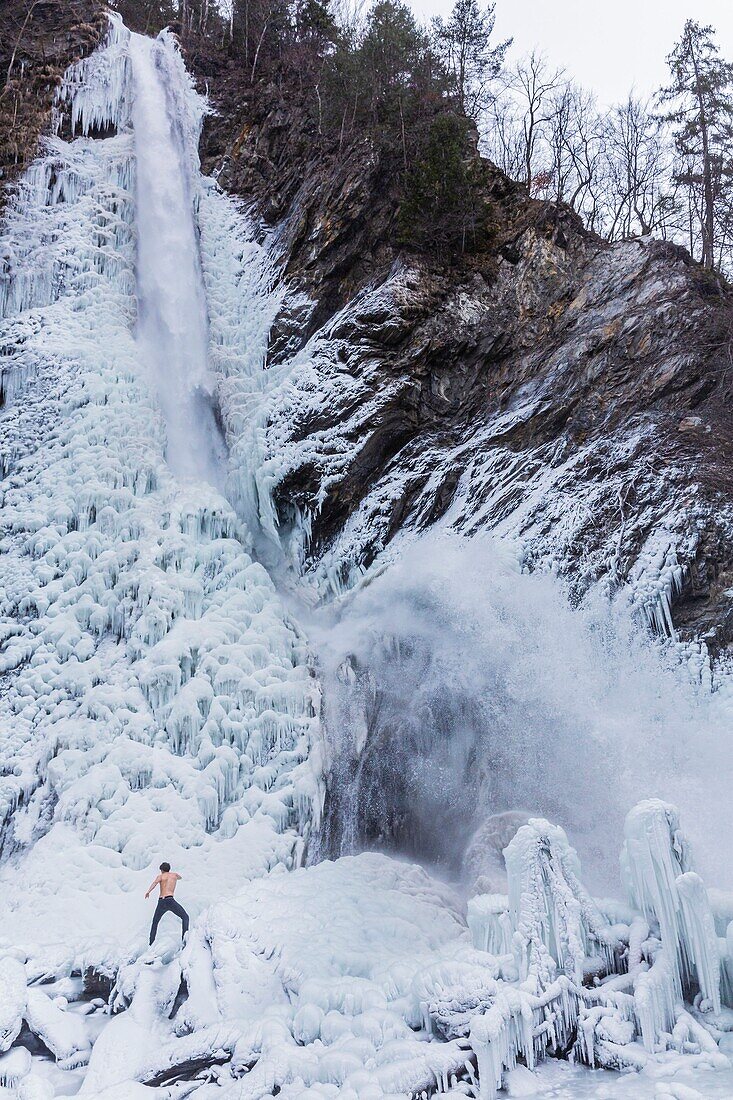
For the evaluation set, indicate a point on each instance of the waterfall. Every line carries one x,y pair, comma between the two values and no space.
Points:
172,323
158,701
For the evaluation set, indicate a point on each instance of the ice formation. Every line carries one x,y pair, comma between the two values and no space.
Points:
613,986
157,696
158,702
360,979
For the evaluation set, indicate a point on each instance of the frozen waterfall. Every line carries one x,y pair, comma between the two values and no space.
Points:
159,700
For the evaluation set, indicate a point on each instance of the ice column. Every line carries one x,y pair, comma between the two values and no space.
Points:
655,866
552,915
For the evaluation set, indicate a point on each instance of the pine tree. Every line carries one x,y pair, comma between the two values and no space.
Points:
463,44
701,112
391,46
443,209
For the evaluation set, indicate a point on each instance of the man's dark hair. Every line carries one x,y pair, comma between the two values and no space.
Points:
165,868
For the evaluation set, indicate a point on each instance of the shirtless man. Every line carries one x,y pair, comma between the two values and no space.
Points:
167,881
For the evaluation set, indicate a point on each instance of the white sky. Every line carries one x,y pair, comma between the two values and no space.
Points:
608,46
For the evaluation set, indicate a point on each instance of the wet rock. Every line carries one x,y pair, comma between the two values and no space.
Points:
692,424
98,984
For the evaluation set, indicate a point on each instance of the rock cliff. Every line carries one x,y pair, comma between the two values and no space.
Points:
568,392
38,41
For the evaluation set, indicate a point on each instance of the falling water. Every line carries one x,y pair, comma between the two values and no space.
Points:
172,321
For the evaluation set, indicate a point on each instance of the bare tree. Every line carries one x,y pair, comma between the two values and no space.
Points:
531,84
640,194
30,8
502,138
625,170
576,143
350,17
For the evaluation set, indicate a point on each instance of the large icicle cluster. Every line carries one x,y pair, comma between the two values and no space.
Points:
156,699
244,298
615,986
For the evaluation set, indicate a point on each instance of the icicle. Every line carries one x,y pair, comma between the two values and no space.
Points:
701,943
98,87
656,867
489,922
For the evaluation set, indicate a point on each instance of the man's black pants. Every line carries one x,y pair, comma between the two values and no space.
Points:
168,905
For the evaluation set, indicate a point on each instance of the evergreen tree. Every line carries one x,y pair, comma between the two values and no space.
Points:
388,84
387,56
314,23
443,209
463,44
700,99
262,33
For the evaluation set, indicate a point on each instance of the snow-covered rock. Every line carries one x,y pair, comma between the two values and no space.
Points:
63,1033
13,999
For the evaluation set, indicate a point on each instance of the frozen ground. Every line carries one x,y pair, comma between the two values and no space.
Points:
356,978
158,701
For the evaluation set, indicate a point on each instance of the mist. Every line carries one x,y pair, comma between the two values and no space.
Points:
457,686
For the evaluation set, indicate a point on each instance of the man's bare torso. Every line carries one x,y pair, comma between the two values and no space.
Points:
168,882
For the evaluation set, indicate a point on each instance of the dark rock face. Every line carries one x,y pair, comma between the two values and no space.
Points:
577,397
333,213
97,984
37,44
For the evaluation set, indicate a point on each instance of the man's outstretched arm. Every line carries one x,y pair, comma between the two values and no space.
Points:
152,886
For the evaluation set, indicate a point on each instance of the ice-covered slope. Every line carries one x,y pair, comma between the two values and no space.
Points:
156,700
